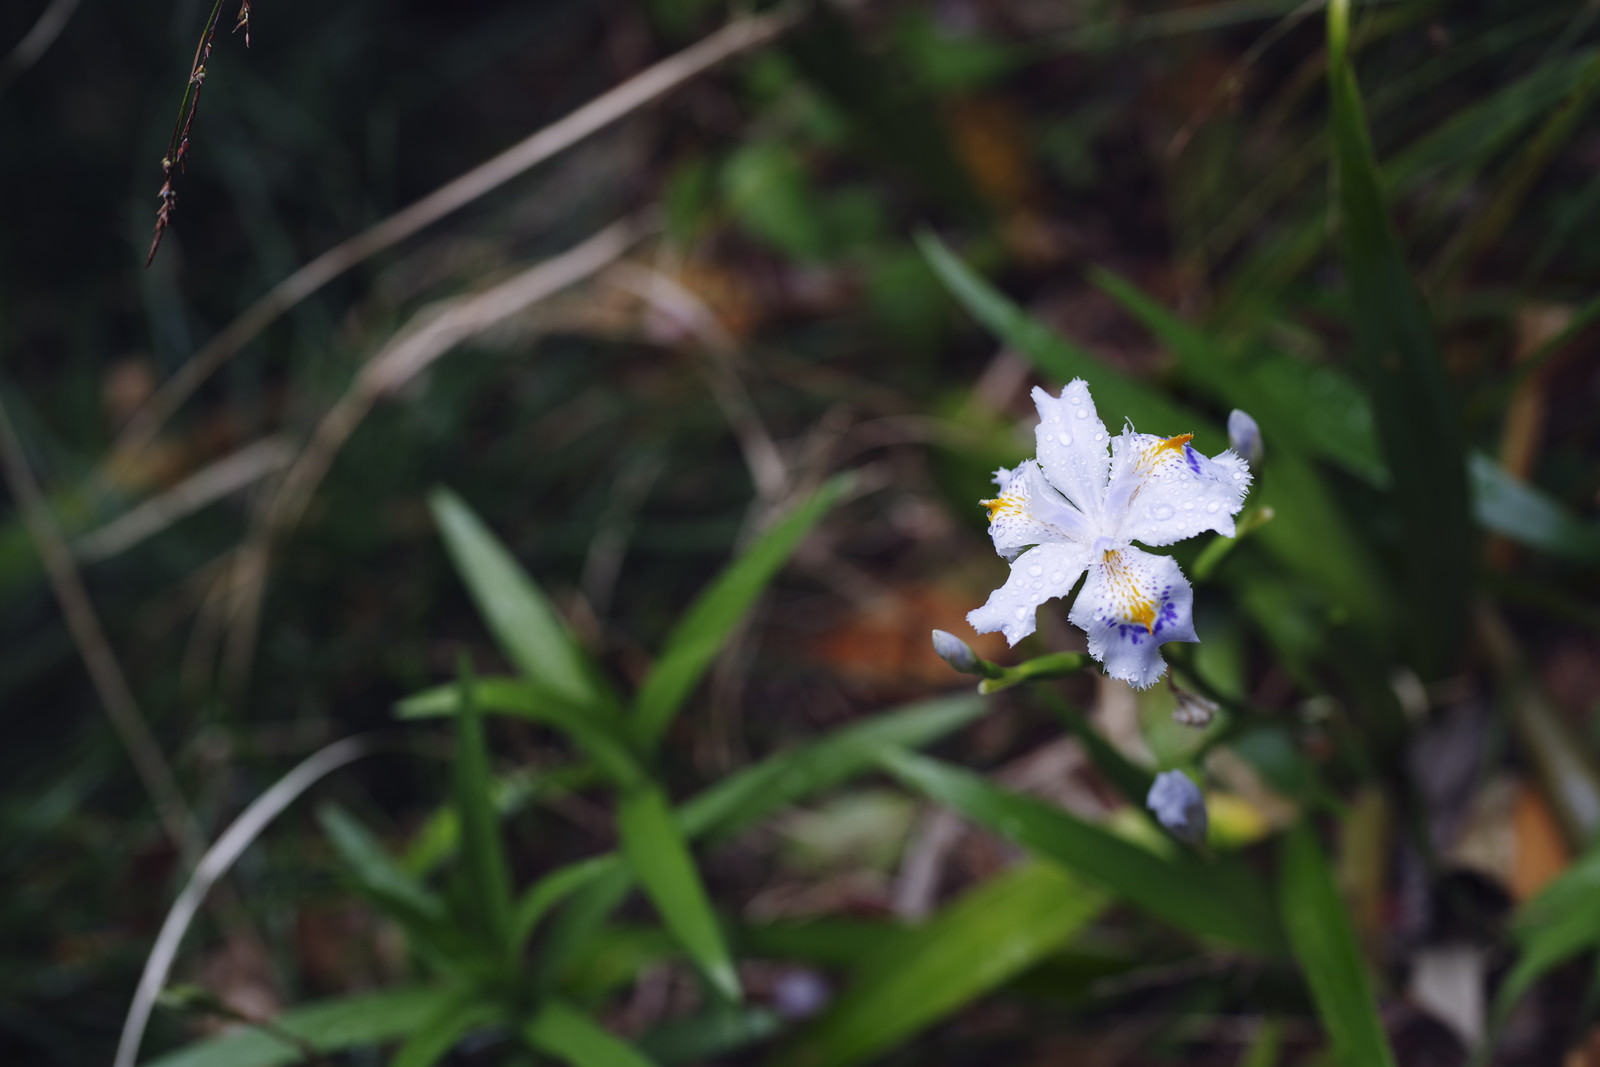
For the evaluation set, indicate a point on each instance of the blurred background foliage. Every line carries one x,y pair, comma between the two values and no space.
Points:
850,247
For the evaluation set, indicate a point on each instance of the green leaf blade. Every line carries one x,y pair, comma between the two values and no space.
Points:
655,848
987,937
1412,402
1220,901
701,632
330,1026
516,611
1325,947
564,1032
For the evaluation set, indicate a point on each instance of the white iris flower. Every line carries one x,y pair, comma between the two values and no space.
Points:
1081,507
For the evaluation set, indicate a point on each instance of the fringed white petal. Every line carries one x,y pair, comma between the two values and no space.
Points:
1037,575
1072,443
1131,604
1164,490
1028,512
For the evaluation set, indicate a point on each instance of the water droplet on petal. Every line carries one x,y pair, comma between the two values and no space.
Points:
1162,511
1036,570
1021,613
1082,414
1065,439
1058,577
1213,506
1099,437
1076,399
1188,505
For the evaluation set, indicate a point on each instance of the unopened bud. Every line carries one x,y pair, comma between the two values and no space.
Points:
1244,437
956,652
1193,709
1177,805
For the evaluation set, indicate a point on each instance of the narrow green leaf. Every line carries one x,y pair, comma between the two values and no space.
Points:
487,877
330,1025
516,611
978,943
1325,946
1563,921
701,632
1221,900
1528,516
598,735
717,1032
553,888
747,797
654,845
564,1032
1412,401
448,1023
373,868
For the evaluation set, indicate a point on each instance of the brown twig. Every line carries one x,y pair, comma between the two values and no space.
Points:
738,36
104,673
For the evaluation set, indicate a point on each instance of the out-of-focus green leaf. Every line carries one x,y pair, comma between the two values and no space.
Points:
752,794
1412,403
987,937
654,845
598,735
1528,516
407,900
484,870
720,1031
1563,921
564,1032
1221,900
554,887
330,1026
524,624
1317,409
448,1023
1325,946
701,632
768,190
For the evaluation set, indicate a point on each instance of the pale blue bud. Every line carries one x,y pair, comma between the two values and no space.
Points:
956,652
1244,437
1177,805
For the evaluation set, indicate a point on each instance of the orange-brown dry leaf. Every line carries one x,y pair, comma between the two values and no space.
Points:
1541,851
887,643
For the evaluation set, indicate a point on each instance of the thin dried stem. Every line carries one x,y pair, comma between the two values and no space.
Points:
738,36
104,672
212,866
437,330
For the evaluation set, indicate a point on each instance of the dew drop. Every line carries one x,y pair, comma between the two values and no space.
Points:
1188,505
1058,577
1036,570
1065,439
1021,613
1163,511
1099,436
1213,506
1237,476
1082,414
1076,399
